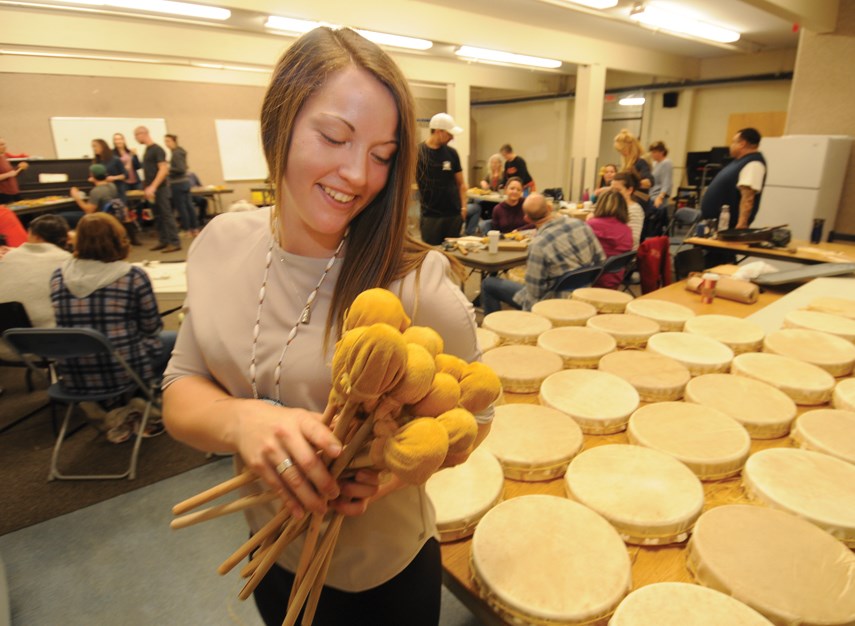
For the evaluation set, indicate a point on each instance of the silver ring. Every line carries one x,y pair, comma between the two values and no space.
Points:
284,465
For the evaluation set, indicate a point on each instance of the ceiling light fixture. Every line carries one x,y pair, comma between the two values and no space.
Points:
396,41
658,18
162,6
632,101
291,25
593,4
239,68
497,56
68,55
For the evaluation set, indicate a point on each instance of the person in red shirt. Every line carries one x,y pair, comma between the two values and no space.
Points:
609,224
9,191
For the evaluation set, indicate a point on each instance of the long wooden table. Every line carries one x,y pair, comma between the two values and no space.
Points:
797,252
649,564
491,263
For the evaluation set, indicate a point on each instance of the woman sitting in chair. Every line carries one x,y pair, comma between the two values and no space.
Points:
609,224
97,288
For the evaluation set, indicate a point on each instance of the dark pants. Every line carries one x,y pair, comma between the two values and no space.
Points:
436,229
412,597
167,227
9,198
180,192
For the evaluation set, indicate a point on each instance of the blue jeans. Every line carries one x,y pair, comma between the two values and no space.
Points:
158,363
495,291
182,204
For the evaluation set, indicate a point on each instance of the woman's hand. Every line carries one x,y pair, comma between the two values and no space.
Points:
356,490
281,445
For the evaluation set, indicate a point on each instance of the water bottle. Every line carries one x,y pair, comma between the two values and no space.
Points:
724,218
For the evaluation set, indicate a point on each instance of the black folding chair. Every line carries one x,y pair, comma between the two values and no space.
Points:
618,263
577,279
62,345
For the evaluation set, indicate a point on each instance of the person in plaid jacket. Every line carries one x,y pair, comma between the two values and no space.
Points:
561,244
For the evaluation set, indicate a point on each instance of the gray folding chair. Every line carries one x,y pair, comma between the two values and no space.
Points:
576,279
62,345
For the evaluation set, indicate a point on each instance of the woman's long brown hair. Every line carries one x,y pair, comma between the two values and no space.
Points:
379,249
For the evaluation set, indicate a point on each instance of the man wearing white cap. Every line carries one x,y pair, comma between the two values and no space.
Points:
440,180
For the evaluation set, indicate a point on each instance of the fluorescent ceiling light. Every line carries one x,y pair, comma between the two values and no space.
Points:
69,55
684,25
594,4
239,68
396,41
162,6
291,24
631,101
497,56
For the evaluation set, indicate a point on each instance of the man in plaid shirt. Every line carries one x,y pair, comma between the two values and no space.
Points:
561,244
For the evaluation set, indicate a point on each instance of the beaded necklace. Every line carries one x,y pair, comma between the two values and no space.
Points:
305,316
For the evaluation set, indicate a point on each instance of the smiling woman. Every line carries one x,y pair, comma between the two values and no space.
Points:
268,292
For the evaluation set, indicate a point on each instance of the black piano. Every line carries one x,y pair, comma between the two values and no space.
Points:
49,178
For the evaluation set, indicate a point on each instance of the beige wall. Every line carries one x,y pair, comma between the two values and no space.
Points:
538,131
714,105
188,108
823,89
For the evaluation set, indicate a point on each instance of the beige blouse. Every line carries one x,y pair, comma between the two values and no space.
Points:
224,274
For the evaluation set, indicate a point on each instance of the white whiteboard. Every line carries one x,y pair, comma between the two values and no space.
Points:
241,153
72,136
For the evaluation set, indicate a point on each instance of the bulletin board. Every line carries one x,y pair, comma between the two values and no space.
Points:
769,124
72,136
241,154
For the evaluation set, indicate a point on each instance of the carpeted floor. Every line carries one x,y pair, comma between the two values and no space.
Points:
25,451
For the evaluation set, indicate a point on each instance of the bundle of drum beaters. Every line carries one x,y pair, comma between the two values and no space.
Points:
400,405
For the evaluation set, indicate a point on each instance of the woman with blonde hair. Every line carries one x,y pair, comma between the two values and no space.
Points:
632,160
269,289
610,225
97,288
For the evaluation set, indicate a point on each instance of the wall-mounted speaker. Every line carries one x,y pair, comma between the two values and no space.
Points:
669,99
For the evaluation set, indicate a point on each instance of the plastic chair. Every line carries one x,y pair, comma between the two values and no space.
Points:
14,315
60,344
578,278
618,263
682,225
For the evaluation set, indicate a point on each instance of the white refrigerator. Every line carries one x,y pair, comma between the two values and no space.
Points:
804,180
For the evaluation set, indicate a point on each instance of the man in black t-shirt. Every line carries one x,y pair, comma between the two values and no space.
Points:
440,180
156,167
515,166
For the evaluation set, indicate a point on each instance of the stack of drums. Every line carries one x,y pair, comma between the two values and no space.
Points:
711,384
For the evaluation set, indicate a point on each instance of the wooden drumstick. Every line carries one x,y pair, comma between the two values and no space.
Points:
214,492
223,509
317,588
269,529
294,528
326,545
